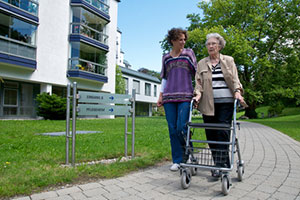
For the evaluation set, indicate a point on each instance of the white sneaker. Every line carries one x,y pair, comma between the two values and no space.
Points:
175,167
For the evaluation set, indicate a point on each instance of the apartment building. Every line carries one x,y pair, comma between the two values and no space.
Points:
44,45
147,90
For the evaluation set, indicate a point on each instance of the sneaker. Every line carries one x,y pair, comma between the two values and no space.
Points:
175,167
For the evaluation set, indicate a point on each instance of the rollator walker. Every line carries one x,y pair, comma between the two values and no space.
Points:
206,158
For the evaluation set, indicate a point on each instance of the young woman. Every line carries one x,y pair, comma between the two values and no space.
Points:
178,69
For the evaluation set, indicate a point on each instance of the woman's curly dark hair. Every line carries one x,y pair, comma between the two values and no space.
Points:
175,33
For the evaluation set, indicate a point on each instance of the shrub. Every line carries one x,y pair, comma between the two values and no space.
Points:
275,109
51,107
160,111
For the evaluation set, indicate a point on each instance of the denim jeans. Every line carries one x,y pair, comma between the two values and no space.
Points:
177,115
223,114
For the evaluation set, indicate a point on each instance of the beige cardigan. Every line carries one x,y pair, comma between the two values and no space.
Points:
203,79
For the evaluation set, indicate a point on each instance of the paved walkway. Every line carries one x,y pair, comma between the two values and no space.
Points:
272,171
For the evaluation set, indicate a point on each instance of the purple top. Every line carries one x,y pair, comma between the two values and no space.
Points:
178,72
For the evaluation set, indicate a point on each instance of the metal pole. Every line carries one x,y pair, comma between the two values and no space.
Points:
133,124
74,122
68,123
126,131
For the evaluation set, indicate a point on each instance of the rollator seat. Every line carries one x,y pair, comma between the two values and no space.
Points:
210,126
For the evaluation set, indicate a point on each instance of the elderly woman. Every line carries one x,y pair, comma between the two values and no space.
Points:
178,68
217,85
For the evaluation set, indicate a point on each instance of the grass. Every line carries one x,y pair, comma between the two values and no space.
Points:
30,162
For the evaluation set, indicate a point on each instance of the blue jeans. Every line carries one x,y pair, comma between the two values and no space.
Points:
177,115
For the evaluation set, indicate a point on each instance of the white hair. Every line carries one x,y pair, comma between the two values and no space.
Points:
221,40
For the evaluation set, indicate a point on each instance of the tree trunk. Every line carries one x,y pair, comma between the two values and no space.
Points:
250,111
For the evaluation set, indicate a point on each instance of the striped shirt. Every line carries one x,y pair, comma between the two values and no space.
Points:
222,93
178,73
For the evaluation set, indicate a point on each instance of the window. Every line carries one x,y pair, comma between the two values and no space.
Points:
18,37
10,102
147,89
126,84
136,86
17,29
155,90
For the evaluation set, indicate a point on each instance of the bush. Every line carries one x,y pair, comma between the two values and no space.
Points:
51,107
275,109
160,111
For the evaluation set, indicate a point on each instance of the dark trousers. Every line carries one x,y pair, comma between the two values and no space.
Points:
223,114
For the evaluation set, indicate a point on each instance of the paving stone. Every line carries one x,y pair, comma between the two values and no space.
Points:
282,195
70,190
89,186
44,195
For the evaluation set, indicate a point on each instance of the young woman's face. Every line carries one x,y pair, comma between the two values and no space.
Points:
213,46
180,42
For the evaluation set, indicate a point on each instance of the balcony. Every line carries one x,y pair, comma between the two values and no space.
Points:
99,7
81,29
17,53
83,69
99,4
26,8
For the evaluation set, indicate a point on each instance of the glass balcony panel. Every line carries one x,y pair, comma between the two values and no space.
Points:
10,46
99,4
84,65
89,32
30,6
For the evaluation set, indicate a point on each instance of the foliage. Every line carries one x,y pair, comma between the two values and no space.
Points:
159,112
275,109
120,82
51,107
263,38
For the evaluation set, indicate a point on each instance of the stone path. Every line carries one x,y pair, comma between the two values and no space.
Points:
272,171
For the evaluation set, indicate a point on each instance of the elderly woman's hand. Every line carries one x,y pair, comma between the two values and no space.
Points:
237,95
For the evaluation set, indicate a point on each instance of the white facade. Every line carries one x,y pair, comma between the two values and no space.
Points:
54,37
142,83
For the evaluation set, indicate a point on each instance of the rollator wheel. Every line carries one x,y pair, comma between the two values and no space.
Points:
186,178
194,171
225,185
240,172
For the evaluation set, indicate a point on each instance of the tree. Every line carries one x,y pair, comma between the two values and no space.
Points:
120,82
263,37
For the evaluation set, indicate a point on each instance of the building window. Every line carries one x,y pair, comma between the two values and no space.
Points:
155,90
17,37
88,58
27,5
126,84
136,86
88,24
147,89
10,101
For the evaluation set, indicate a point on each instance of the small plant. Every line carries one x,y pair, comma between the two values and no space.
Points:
51,107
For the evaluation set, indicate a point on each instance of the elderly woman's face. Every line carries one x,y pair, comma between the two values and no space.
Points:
213,46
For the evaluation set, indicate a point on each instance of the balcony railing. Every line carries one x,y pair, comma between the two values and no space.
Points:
99,4
31,6
85,65
17,48
82,29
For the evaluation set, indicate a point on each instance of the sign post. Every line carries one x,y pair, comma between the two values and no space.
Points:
95,104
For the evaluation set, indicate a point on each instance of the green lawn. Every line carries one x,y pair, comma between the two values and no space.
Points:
30,162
